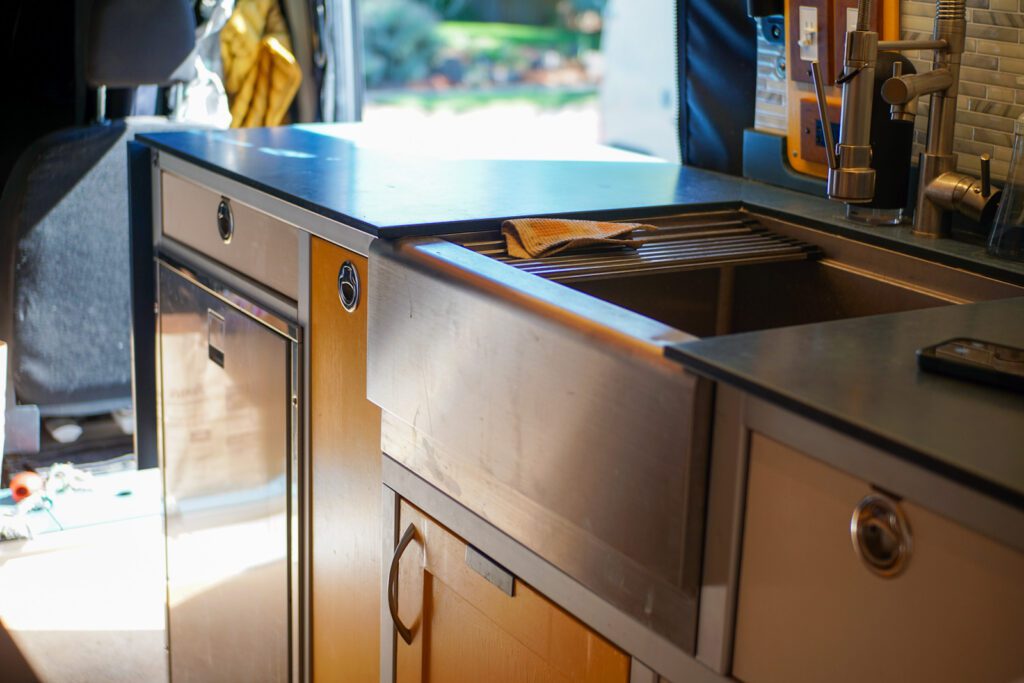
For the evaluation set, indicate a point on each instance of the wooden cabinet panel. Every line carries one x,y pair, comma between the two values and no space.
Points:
346,479
466,630
809,610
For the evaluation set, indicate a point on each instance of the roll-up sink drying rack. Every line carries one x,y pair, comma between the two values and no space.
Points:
680,244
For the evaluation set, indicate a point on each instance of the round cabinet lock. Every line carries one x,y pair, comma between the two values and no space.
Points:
348,286
225,220
880,535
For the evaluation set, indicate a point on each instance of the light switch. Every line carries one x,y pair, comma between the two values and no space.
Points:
810,25
808,18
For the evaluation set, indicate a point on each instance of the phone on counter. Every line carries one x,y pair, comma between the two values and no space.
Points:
976,360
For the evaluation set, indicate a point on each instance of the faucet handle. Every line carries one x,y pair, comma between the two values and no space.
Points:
986,175
826,125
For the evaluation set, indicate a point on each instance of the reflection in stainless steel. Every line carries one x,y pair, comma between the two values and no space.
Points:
551,414
227,440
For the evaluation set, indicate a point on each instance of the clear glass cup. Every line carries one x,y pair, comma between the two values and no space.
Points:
1007,237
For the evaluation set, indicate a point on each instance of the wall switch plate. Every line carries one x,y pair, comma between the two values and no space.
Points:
808,41
809,33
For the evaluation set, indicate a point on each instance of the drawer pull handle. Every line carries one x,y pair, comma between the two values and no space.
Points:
348,286
225,220
880,535
407,538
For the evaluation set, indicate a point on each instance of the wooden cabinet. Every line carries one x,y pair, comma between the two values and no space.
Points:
345,481
811,610
466,629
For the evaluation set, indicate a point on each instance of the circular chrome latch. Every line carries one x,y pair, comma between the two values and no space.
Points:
880,535
348,286
225,220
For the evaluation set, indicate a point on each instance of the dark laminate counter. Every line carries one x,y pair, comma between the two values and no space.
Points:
860,376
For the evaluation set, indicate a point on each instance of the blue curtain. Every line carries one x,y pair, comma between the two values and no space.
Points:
717,45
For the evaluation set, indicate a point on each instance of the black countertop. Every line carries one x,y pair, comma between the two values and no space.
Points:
860,376
390,192
856,375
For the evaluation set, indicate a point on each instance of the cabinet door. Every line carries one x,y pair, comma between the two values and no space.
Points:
466,629
810,610
346,502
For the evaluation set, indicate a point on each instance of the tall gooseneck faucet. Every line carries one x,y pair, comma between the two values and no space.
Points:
941,189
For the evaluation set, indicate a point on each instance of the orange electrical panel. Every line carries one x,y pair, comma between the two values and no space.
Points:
816,30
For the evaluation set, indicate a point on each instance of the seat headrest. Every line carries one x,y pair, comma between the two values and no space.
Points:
138,42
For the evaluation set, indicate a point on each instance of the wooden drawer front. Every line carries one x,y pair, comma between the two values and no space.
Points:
465,629
262,248
809,610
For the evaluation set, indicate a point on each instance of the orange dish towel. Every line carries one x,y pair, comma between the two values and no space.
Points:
536,237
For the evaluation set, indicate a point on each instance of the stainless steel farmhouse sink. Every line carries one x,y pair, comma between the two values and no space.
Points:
536,393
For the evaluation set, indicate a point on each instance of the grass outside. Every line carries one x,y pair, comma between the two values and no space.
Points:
459,101
493,36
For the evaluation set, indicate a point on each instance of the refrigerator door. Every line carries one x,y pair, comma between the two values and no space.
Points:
226,413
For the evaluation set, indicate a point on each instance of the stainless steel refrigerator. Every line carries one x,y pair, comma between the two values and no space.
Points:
229,411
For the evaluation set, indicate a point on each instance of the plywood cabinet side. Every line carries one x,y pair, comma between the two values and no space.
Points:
466,630
345,463
809,610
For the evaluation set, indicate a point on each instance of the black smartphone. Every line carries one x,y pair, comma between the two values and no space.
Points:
977,360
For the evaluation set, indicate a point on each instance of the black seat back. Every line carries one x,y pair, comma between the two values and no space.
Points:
64,262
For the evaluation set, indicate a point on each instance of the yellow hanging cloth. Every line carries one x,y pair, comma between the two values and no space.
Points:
261,75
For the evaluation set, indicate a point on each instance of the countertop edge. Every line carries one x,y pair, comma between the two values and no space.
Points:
313,207
872,438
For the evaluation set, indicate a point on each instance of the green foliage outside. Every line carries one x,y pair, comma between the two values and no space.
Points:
399,41
406,41
448,9
474,10
459,101
496,40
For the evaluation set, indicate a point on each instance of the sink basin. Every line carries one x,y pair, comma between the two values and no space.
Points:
850,279
705,303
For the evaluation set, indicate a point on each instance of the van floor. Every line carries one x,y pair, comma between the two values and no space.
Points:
84,600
